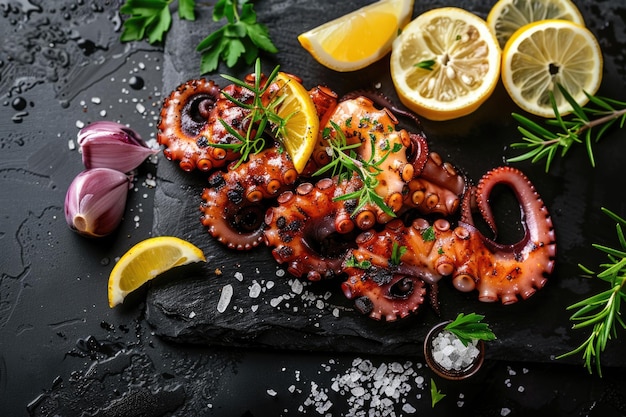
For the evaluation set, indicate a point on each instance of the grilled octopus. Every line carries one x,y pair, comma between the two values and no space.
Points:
318,233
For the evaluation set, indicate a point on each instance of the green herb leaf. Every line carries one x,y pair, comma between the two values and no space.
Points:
396,253
469,327
149,19
435,394
241,37
352,262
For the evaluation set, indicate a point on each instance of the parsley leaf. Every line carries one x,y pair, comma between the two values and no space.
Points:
151,19
242,37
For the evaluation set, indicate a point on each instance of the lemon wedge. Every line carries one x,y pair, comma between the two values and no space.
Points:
301,121
506,16
359,38
146,260
445,64
541,55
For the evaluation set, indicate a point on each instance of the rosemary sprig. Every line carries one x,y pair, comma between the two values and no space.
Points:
426,64
561,133
469,327
603,310
261,116
345,163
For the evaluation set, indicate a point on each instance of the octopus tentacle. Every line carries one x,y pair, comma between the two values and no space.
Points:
433,251
233,209
308,230
383,295
190,121
537,249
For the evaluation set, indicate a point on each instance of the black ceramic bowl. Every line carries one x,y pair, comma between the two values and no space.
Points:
451,374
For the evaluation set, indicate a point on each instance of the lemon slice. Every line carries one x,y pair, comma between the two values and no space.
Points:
359,38
302,123
506,16
462,60
146,260
543,54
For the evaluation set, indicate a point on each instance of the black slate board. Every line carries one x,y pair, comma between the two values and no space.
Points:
182,306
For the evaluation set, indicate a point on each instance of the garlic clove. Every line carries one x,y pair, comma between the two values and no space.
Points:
107,144
95,201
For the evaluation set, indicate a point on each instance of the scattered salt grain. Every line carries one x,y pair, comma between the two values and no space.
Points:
271,393
269,285
96,100
255,290
71,145
296,286
239,276
80,124
408,408
192,314
505,412
226,295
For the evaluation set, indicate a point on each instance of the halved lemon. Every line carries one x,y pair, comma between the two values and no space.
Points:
506,16
302,123
146,260
543,54
359,38
445,64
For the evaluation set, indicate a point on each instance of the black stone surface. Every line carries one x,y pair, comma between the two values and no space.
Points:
534,330
64,352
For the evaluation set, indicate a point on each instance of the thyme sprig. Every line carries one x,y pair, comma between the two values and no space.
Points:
345,163
262,116
470,327
603,310
562,133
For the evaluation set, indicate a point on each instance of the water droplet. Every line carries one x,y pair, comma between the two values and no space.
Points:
136,83
19,103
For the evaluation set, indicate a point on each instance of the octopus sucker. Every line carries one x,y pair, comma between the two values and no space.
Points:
389,256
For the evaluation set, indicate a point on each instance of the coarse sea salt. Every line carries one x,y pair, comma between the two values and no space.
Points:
225,296
451,354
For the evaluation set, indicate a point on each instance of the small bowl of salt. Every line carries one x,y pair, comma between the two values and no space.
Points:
448,357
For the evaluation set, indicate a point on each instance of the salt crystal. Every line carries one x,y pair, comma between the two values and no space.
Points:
80,124
226,295
408,408
96,100
255,290
505,411
276,301
357,391
271,393
269,285
319,304
71,145
296,286
192,314
239,276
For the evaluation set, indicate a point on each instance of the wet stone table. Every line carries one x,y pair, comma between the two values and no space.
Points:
283,346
